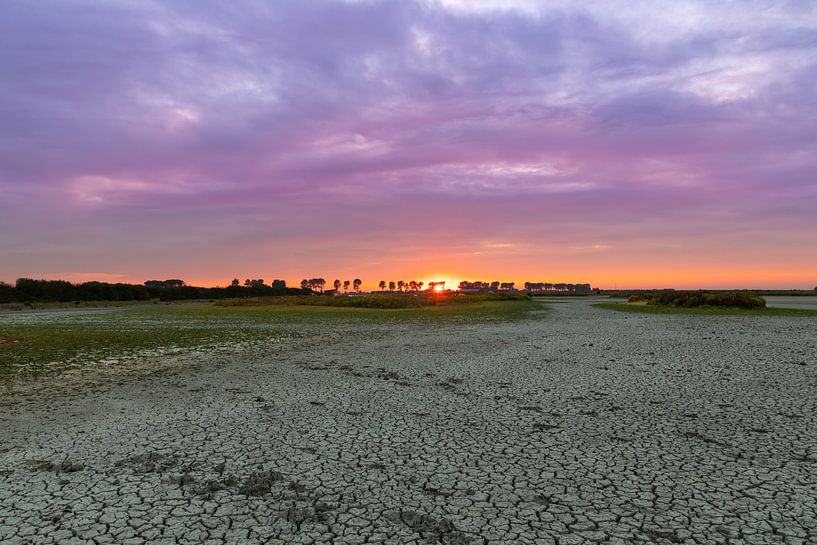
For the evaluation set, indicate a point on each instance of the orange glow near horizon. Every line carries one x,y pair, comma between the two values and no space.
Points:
601,275
439,287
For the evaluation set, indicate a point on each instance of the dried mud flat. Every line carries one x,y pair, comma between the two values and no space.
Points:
578,426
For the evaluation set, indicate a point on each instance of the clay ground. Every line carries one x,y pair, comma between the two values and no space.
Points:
576,425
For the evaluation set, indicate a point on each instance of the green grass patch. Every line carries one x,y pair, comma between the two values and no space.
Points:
36,305
33,351
710,311
272,311
36,350
34,344
374,301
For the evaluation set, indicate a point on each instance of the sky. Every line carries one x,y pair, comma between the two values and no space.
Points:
619,143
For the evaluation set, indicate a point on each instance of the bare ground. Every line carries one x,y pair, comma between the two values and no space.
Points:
579,426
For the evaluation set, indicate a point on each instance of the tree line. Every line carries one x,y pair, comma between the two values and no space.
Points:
406,286
31,290
258,283
558,287
479,285
319,285
27,290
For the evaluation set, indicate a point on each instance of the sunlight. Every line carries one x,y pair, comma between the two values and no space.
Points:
439,287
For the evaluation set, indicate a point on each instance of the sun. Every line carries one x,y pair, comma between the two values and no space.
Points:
439,287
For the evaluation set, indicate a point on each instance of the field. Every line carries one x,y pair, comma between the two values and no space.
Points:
491,422
48,342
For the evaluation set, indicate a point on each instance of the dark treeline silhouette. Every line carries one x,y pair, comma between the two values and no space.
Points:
354,284
27,290
251,287
530,287
30,290
479,285
402,285
172,283
313,284
547,287
258,283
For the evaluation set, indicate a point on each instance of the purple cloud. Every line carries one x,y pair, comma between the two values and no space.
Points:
305,137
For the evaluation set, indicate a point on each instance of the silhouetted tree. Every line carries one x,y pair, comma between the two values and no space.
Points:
235,283
7,293
400,285
171,283
391,285
356,284
346,286
382,285
44,290
336,284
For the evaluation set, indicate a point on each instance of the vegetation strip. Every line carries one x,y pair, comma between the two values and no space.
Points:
705,310
376,301
33,345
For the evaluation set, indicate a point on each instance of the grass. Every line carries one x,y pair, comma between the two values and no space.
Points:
79,304
711,311
37,350
374,301
296,313
37,344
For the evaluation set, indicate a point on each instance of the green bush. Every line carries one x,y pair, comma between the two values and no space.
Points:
701,299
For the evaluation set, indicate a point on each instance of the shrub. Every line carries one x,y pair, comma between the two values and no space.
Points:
701,299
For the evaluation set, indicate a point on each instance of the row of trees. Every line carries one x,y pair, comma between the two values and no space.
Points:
313,284
479,285
258,283
319,284
355,284
171,283
560,287
251,287
27,289
402,285
30,290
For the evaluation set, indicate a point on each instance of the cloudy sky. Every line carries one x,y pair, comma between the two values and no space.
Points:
622,143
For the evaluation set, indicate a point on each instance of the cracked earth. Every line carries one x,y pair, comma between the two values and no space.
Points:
580,425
